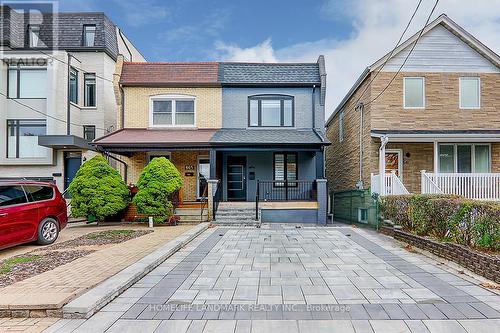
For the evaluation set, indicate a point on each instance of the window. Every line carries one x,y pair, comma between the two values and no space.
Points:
34,36
22,138
414,92
89,132
73,85
363,215
470,93
172,110
341,126
464,158
270,111
285,168
27,82
89,90
39,193
88,35
12,195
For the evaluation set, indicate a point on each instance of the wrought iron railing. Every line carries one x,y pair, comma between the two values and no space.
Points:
204,201
216,200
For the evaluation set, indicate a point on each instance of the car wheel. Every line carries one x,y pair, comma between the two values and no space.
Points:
48,230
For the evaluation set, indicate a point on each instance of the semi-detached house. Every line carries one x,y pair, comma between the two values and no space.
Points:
236,132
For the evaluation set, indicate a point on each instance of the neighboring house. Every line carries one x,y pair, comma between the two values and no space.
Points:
56,69
435,129
231,124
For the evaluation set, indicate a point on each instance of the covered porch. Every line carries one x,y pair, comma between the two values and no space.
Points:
465,163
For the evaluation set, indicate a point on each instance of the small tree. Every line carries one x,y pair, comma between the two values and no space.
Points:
98,190
157,182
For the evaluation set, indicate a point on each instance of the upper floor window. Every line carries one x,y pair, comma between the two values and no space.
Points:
89,132
172,111
470,93
22,138
73,85
34,36
27,82
270,111
89,90
89,35
341,126
414,92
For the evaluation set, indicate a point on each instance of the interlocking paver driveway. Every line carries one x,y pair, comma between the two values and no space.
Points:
312,279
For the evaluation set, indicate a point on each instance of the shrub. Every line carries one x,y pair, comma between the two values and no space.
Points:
97,189
157,182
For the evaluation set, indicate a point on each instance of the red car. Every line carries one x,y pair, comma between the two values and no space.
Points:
30,211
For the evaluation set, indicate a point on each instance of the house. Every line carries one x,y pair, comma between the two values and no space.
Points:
56,90
434,129
236,131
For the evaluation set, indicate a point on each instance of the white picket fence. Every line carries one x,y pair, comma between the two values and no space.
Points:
480,186
392,184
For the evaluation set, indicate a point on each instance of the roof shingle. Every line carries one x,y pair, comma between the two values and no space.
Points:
269,73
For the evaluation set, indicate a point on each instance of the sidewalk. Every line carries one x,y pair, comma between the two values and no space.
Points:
43,295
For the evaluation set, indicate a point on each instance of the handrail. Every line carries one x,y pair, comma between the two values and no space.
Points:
287,190
392,184
216,200
479,186
204,201
428,185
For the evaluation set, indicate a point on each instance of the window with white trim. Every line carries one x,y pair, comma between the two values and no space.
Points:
89,35
414,92
172,111
34,36
470,93
464,158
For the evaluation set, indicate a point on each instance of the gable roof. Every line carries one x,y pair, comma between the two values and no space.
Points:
443,20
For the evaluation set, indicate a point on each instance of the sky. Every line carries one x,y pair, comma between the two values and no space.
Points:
352,34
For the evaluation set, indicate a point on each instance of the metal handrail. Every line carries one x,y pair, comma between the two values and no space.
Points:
286,190
216,200
204,201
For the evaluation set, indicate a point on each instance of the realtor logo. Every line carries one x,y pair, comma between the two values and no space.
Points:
28,25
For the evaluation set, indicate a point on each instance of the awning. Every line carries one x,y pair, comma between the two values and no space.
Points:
64,142
438,135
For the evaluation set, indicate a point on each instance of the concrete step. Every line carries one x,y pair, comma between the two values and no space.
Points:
189,211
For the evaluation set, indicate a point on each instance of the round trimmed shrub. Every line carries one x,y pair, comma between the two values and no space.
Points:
97,190
159,179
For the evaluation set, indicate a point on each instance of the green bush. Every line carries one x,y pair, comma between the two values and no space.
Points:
157,182
447,217
97,190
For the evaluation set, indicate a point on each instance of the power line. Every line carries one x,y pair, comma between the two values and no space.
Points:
408,55
47,115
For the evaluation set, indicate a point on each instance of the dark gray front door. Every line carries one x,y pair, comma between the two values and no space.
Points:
72,162
236,178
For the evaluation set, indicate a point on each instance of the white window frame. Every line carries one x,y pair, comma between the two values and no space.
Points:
341,126
400,160
460,92
423,92
473,155
172,98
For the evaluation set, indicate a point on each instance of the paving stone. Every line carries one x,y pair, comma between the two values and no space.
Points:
362,326
486,310
445,326
431,311
274,326
450,311
389,326
468,311
376,311
325,326
416,326
133,326
177,326
394,311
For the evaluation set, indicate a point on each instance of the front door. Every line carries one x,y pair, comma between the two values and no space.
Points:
72,162
394,162
236,178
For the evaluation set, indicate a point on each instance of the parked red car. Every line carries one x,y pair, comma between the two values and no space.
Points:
30,211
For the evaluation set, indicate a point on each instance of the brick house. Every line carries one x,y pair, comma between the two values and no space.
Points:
231,129
435,129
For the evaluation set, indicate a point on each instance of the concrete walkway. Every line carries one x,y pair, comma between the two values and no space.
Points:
283,279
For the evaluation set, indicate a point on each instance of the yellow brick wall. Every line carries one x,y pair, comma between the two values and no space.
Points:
180,159
208,109
441,103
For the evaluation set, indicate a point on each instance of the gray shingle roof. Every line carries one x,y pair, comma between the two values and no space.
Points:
265,136
69,30
265,73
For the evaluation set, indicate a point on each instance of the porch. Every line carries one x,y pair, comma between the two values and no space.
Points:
466,164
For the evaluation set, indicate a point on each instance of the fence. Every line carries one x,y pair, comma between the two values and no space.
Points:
355,206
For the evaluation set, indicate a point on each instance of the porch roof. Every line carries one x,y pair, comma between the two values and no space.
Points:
438,135
267,137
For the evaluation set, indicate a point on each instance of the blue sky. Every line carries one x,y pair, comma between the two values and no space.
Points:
352,34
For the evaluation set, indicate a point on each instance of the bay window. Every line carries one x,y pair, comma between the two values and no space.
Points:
172,111
27,82
464,158
270,111
285,168
22,138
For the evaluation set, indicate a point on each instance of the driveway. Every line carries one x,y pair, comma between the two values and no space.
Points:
284,279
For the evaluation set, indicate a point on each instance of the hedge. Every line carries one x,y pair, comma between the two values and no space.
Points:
447,217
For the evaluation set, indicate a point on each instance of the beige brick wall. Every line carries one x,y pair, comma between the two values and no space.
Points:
137,162
495,157
441,103
208,109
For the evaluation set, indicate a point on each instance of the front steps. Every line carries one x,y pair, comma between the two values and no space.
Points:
236,213
191,215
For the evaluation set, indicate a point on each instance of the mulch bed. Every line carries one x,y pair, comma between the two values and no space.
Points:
46,258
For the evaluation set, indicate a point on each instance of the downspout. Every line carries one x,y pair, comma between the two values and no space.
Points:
314,115
122,107
125,165
381,151
360,109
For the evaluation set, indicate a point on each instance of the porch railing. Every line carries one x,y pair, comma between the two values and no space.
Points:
392,184
479,186
216,200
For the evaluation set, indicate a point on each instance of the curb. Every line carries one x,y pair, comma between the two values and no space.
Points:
96,298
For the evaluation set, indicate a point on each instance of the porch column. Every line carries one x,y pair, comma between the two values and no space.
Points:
320,164
212,183
213,164
322,197
381,157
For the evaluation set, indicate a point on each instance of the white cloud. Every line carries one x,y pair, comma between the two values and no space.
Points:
145,12
377,26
